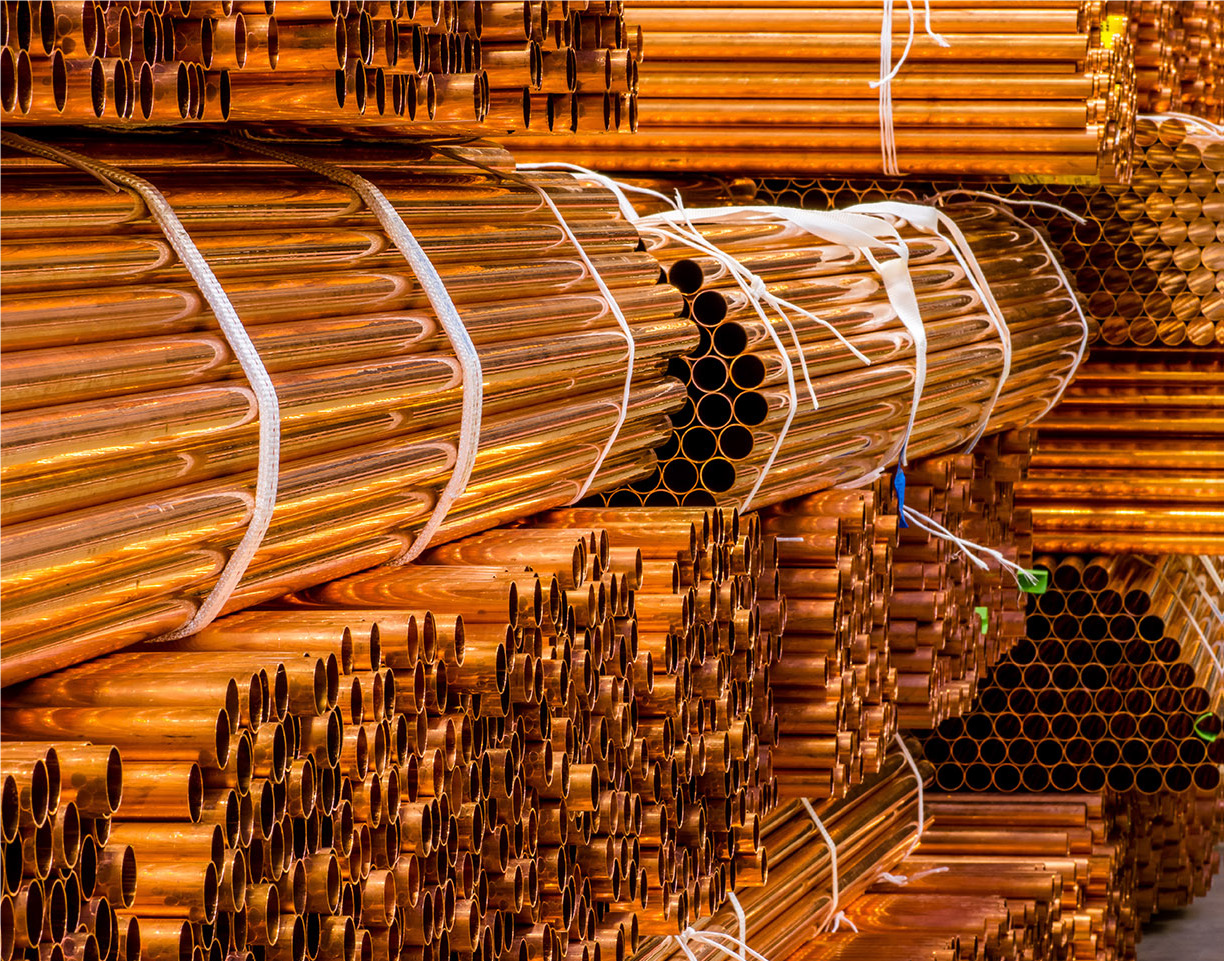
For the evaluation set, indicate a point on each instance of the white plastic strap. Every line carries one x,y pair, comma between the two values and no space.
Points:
1054,261
613,306
909,759
833,915
901,880
888,72
1210,568
918,217
967,547
267,471
739,947
1215,659
427,275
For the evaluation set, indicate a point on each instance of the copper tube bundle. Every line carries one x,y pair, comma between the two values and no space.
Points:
536,742
884,626
1116,685
420,66
64,890
1178,63
1132,458
781,86
872,829
130,440
738,400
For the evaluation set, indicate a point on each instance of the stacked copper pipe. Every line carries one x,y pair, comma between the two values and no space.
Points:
427,66
64,891
536,742
738,400
872,829
130,440
1132,458
775,86
885,626
1178,49
1116,685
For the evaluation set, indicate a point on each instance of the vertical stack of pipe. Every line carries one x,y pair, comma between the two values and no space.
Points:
1115,686
131,442
778,86
540,741
1178,57
889,627
65,893
736,420
427,66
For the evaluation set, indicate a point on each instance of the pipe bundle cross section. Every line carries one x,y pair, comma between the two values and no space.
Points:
884,625
1117,684
130,442
410,66
737,378
536,742
794,87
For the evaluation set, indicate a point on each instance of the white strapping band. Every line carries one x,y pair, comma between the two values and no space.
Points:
1215,659
427,275
1213,129
1054,261
967,547
889,71
267,473
833,916
904,879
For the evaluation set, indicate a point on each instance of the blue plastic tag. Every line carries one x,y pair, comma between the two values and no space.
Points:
899,487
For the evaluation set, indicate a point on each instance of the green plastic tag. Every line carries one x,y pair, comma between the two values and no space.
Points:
1034,582
1205,735
984,614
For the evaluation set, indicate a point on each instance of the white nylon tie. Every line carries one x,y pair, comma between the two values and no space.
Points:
889,71
742,950
967,547
267,473
1054,261
1213,129
1210,568
833,916
1219,665
903,879
427,275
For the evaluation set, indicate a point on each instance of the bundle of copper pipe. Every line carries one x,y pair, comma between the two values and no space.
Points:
1132,458
885,625
738,398
1178,57
130,442
872,829
1116,685
64,891
780,86
418,65
537,742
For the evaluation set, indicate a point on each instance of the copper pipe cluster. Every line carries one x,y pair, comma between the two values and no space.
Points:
1132,458
419,65
884,625
130,436
872,828
1028,876
737,391
65,892
1114,686
1178,57
783,86
535,743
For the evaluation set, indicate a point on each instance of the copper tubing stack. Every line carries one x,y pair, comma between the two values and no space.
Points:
872,828
130,442
1113,687
1132,458
536,742
738,400
1172,844
884,625
417,66
66,885
1178,57
764,87
1000,876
